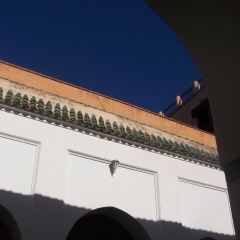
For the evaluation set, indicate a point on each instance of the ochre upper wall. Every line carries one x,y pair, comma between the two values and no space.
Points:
50,85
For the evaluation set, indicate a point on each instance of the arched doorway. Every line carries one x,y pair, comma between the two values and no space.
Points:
4,231
107,223
207,238
9,229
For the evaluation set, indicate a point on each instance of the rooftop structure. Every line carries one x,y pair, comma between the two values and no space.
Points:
192,108
183,98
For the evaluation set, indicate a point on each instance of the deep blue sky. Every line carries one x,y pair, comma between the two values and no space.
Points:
119,48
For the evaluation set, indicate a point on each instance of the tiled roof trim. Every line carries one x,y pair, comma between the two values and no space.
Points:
105,126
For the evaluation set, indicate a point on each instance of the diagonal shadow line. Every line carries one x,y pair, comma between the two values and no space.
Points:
53,219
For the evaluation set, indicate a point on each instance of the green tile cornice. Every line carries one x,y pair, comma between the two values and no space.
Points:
40,105
65,113
33,104
25,101
48,108
79,117
109,126
105,126
9,96
72,115
94,121
17,100
101,124
129,132
122,131
57,111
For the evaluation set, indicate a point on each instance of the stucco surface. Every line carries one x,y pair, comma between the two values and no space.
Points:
72,169
95,100
30,91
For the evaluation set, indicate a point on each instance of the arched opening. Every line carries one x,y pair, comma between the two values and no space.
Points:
211,34
207,238
4,232
9,229
107,223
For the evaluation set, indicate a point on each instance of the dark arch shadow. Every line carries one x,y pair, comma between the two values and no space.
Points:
207,238
9,225
111,223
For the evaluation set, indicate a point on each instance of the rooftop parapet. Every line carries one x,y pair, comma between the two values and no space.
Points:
104,103
180,100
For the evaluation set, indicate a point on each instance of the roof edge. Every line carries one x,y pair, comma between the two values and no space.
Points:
58,87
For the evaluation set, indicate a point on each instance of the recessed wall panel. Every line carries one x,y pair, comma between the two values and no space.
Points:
90,185
17,161
205,207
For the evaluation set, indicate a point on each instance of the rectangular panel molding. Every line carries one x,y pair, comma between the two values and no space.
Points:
205,207
90,185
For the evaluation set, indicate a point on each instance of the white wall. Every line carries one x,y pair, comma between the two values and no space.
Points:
71,172
202,206
18,162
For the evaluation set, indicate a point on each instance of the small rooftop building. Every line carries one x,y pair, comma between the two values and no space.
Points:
192,108
79,165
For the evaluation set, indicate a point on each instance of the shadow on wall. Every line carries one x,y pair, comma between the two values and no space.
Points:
51,219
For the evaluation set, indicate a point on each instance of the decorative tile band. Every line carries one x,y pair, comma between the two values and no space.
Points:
105,126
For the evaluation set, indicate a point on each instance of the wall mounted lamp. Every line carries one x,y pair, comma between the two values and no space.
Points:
113,166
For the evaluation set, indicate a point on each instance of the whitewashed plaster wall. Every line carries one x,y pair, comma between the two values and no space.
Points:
72,169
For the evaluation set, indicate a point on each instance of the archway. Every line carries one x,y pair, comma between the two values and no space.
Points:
207,238
9,229
4,232
107,223
210,32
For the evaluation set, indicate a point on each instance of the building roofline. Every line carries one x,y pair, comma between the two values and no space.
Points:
102,102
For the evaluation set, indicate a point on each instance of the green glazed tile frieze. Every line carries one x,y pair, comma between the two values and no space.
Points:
104,125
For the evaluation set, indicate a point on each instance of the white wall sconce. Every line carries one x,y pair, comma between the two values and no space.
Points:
113,166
